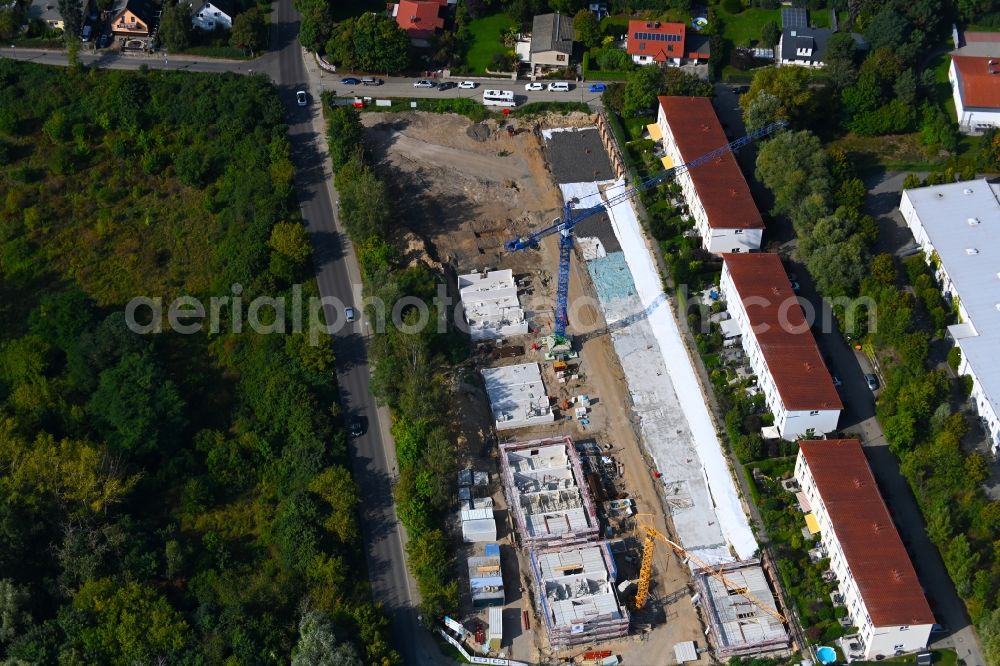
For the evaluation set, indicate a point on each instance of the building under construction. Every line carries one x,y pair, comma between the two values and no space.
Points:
576,597
738,625
545,488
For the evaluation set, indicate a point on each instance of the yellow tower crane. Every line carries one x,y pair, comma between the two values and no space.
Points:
651,534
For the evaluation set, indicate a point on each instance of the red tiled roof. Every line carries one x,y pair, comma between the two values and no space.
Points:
980,87
419,18
785,340
720,184
659,49
974,37
872,547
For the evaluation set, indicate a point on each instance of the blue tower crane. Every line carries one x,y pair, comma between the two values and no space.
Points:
564,226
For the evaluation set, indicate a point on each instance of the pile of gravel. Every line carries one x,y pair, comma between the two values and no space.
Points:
479,132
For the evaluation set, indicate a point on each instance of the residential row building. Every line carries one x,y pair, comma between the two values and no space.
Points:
974,75
955,225
877,581
420,19
551,41
717,194
779,345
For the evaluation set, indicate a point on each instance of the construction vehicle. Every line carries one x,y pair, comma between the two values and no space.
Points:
651,534
569,220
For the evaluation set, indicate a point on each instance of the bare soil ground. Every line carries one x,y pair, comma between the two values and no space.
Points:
461,199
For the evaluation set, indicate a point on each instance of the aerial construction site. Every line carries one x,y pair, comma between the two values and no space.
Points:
577,448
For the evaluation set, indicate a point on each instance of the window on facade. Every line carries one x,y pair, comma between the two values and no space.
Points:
907,628
814,412
738,231
898,646
560,57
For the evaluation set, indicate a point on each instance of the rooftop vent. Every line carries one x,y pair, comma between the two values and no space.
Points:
656,25
967,190
897,574
973,221
971,251
649,25
877,527
939,195
997,306
857,482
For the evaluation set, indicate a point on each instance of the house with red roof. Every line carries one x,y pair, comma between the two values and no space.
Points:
779,345
975,86
878,584
651,42
717,194
421,19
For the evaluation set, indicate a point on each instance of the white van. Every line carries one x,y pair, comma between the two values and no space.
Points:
558,86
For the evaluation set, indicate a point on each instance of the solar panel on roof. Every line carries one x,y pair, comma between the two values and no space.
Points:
794,17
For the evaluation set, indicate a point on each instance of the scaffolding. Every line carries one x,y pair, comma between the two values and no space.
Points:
543,482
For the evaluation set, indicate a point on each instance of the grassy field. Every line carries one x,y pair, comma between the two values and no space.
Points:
743,28
486,33
821,18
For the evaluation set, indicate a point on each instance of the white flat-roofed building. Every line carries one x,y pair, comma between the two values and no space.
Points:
780,346
547,492
517,396
877,581
957,226
492,309
576,597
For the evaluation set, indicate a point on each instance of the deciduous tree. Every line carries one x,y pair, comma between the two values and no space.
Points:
248,30
587,28
175,26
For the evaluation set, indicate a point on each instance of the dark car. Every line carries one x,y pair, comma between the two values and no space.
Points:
447,85
351,81
371,81
103,41
356,426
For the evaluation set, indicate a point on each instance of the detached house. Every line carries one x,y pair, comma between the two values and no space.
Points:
551,41
655,42
134,21
213,14
420,19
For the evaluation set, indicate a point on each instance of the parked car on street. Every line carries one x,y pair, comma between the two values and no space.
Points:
356,426
534,87
102,43
351,81
349,314
468,85
559,86
423,83
371,81
447,85
596,87
872,381
301,99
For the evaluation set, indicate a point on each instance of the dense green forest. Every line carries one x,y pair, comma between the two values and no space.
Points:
164,498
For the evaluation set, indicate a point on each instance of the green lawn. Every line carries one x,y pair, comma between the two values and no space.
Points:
486,33
941,658
743,28
821,18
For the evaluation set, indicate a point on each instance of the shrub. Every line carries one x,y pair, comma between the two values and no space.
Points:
954,358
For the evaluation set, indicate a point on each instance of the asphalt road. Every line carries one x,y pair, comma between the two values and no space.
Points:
373,453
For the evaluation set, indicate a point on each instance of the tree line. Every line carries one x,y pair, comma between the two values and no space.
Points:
409,370
164,498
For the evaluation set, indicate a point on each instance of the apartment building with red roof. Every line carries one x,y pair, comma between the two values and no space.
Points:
878,583
780,346
717,194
